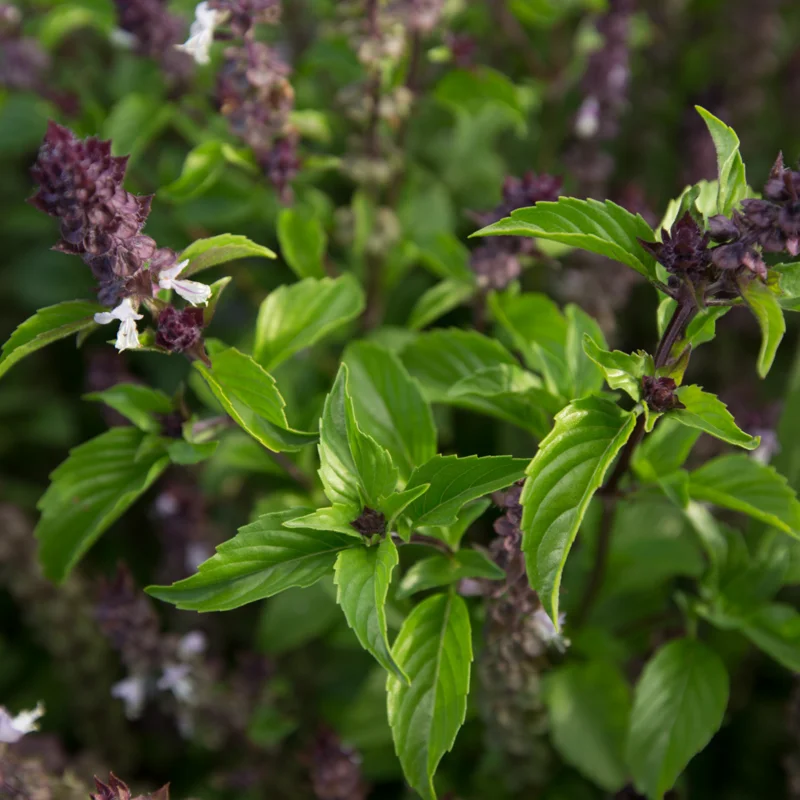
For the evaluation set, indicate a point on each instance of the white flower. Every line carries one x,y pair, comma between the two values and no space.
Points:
133,693
201,33
177,679
194,292
12,729
127,336
193,644
547,631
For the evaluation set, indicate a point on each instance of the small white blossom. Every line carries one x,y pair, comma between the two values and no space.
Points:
133,693
12,729
547,631
193,644
176,679
192,291
127,335
201,33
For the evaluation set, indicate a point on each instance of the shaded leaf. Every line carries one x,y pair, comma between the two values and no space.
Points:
678,706
140,404
89,491
442,570
47,325
743,484
303,242
438,301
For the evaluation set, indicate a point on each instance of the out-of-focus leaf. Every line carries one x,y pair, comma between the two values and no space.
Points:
303,242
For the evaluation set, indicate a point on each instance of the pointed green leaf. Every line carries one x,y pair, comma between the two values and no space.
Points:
202,168
434,649
603,228
539,331
296,316
678,706
568,469
775,629
331,518
355,470
453,534
743,484
249,394
438,301
767,310
186,453
264,558
140,404
97,483
395,504
509,393
708,413
210,309
389,405
441,358
455,481
589,706
665,450
732,180
48,325
205,253
362,575
442,570
303,242
621,370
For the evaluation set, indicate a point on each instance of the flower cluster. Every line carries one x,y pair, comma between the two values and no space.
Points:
154,32
244,15
496,262
23,63
81,184
659,394
370,522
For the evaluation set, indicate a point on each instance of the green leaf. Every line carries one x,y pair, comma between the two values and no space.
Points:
665,449
137,403
708,413
448,258
788,279
455,481
743,484
569,467
303,242
395,504
47,325
186,453
442,570
434,649
602,228
509,393
355,470
441,358
97,483
296,316
249,394
678,706
587,376
775,629
362,575
133,123
389,405
263,559
589,706
438,301
330,518
452,534
539,331
210,309
205,253
732,180
764,304
621,370
296,617
202,168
